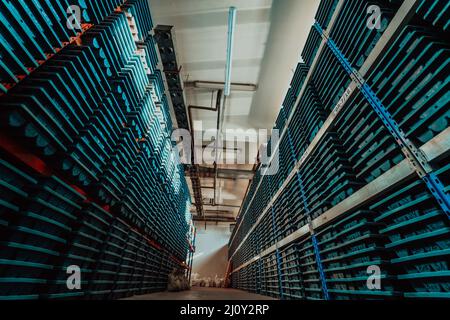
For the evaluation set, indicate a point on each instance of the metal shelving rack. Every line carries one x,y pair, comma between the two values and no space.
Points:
88,178
418,163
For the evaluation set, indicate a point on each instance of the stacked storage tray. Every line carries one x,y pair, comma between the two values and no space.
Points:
418,239
117,167
51,228
299,78
141,19
44,32
329,79
286,210
325,12
244,278
57,206
270,284
311,47
239,258
23,49
22,266
308,269
351,34
300,74
37,225
327,178
238,234
261,200
403,232
136,97
287,106
280,122
371,149
348,248
442,166
95,11
286,160
113,254
267,231
247,278
254,278
435,12
307,120
255,245
88,244
250,278
292,282
235,280
402,82
281,219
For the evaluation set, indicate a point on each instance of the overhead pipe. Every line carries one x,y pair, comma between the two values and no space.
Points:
207,172
221,205
213,85
214,219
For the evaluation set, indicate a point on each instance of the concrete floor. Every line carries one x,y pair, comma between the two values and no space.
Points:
197,293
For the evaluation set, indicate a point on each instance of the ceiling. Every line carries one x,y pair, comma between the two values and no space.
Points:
269,37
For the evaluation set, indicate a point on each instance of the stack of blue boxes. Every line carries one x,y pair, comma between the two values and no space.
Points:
88,174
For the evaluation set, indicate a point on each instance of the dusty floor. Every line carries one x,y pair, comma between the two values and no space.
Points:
202,294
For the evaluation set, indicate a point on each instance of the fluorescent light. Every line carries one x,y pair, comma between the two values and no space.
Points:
231,27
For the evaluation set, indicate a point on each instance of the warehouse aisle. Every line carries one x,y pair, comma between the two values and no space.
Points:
203,294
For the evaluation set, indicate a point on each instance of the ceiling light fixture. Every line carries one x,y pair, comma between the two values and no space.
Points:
231,27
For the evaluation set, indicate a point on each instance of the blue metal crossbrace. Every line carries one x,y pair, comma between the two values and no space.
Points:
308,213
415,157
320,267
